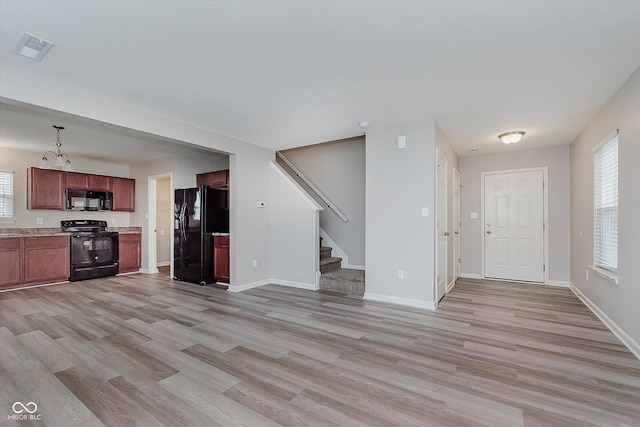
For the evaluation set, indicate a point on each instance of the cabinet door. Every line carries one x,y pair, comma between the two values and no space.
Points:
213,179
77,180
221,258
124,194
100,183
45,189
130,254
46,259
10,261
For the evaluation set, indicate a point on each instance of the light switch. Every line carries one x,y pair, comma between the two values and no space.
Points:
425,211
474,215
402,142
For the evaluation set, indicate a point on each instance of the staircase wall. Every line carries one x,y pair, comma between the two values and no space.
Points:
294,215
337,168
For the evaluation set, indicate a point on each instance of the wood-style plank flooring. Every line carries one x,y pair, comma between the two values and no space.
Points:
143,350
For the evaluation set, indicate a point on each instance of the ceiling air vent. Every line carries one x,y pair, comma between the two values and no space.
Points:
33,47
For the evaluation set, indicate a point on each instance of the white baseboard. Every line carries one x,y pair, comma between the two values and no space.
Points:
247,286
354,267
451,285
471,276
272,281
141,270
294,284
629,342
558,283
164,263
429,305
336,251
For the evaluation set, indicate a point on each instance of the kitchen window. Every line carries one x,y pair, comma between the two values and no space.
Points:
605,232
6,195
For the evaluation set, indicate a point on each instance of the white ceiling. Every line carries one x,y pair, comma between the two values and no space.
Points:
282,74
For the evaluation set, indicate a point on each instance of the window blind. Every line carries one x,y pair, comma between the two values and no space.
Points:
605,234
6,194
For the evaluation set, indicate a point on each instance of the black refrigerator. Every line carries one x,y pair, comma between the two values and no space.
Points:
198,212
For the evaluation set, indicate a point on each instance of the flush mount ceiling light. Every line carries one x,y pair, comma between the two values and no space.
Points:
62,159
511,137
33,47
363,125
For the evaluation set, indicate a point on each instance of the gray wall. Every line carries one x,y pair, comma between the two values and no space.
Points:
337,168
294,232
619,302
557,161
452,162
399,183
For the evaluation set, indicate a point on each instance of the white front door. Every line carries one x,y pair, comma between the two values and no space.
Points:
513,226
441,226
456,225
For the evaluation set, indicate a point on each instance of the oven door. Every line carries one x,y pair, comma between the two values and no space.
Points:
94,249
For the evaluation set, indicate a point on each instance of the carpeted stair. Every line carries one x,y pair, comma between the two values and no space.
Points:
335,278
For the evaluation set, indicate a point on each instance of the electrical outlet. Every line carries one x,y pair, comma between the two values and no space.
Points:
255,263
586,275
400,274
39,221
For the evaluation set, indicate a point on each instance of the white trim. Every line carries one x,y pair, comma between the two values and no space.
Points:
471,276
247,286
441,155
151,223
163,263
613,134
629,342
545,213
27,286
298,189
609,275
451,285
294,284
558,283
141,270
429,305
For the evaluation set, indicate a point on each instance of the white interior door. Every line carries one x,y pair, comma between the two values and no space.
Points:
441,226
513,226
456,225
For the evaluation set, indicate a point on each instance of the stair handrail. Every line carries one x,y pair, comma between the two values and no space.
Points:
315,189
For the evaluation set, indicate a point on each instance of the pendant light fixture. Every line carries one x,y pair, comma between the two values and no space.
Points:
511,137
62,159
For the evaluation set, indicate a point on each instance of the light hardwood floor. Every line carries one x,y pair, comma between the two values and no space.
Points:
143,350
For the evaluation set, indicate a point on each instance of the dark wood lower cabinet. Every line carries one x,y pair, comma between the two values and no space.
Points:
11,271
221,258
33,260
46,259
130,252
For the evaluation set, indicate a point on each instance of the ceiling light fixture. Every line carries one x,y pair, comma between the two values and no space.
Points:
62,159
33,47
511,137
363,125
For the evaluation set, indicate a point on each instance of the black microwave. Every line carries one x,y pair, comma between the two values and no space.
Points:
87,200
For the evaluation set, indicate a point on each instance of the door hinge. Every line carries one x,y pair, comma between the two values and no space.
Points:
544,267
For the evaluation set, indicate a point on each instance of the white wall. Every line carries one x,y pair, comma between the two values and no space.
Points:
188,165
618,302
557,161
442,143
294,232
249,164
337,168
399,183
18,161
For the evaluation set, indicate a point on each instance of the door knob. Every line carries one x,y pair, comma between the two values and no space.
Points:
446,233
488,231
456,232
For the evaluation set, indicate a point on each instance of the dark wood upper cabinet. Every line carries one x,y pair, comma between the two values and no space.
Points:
45,188
77,180
124,194
100,183
213,179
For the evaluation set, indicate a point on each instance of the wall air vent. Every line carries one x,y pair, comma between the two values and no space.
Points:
33,47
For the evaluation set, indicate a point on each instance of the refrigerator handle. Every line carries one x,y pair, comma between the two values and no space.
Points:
183,221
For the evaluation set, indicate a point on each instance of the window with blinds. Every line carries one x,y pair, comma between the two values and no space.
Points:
6,194
605,236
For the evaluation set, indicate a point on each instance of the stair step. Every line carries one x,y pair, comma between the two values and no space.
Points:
330,264
325,252
345,280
